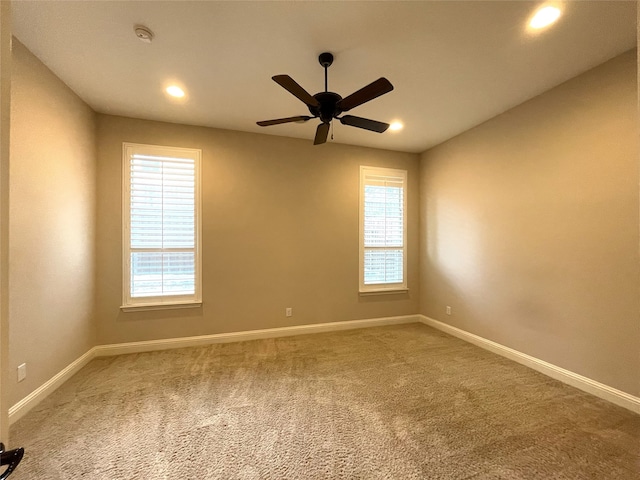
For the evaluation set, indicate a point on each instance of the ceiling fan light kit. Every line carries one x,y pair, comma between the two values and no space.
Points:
329,105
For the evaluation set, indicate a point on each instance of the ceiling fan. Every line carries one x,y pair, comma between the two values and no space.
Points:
329,105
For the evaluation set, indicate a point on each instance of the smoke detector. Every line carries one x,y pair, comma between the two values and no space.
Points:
143,33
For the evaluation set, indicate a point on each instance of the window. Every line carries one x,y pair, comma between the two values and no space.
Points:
161,227
383,229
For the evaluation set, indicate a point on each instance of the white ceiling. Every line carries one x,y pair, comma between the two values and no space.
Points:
453,64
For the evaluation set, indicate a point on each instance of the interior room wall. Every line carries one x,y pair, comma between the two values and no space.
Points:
5,119
529,227
52,224
279,229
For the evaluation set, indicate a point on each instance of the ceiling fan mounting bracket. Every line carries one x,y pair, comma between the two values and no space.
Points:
325,59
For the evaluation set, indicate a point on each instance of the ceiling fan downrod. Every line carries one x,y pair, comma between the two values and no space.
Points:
325,59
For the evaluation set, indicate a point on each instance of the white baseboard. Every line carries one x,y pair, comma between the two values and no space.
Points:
34,398
598,389
152,345
21,408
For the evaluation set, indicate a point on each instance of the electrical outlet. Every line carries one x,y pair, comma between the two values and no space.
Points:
22,372
448,310
288,312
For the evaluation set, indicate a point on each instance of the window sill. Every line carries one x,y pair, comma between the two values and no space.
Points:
159,306
388,291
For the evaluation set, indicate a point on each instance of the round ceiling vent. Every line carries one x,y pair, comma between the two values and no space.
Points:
143,33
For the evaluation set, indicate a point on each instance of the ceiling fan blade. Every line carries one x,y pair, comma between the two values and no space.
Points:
365,123
322,132
289,84
371,91
277,121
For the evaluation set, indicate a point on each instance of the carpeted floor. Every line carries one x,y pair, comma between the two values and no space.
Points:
398,402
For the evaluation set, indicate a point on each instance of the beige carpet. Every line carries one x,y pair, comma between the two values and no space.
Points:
399,402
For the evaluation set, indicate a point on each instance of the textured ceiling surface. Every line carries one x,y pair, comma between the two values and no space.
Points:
453,64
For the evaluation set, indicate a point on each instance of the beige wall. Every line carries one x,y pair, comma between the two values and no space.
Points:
280,229
529,227
5,118
52,218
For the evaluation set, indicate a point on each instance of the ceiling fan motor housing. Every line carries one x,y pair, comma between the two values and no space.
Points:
327,110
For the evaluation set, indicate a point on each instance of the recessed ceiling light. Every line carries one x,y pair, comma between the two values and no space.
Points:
395,126
544,17
175,91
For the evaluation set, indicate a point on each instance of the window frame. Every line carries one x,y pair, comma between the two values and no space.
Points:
382,288
130,303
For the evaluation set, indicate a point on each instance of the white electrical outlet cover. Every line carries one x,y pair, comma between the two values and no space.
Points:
22,372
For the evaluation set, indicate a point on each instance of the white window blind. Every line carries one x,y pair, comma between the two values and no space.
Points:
161,225
382,229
